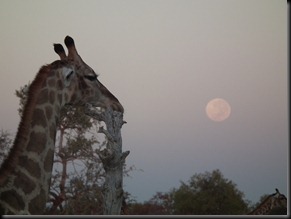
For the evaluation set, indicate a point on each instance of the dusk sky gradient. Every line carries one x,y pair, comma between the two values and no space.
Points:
165,60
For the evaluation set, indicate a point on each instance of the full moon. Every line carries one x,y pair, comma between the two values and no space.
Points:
218,109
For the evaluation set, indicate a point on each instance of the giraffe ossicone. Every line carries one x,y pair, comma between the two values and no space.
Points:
26,172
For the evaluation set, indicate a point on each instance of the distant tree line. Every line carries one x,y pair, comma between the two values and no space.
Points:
206,193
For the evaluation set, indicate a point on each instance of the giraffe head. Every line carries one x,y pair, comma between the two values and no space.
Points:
279,200
81,81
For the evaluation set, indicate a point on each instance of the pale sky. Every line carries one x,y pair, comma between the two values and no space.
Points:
164,60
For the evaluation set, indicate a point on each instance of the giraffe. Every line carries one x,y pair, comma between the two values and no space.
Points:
26,172
275,203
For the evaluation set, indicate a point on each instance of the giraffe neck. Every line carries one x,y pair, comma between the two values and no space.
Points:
264,208
273,201
26,173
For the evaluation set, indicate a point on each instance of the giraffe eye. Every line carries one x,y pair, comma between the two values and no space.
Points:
91,77
69,75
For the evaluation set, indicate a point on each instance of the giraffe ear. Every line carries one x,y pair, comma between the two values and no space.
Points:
67,75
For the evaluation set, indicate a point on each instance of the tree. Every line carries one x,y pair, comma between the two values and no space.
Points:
162,203
76,186
159,204
204,194
112,158
5,144
209,194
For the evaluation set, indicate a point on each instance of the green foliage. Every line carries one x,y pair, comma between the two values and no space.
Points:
85,197
209,194
159,204
5,144
165,201
204,194
22,95
75,118
79,179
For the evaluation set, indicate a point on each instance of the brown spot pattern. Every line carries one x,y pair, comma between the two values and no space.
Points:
60,98
48,112
13,199
60,85
43,96
31,166
38,118
52,82
52,96
66,98
37,204
24,183
37,142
